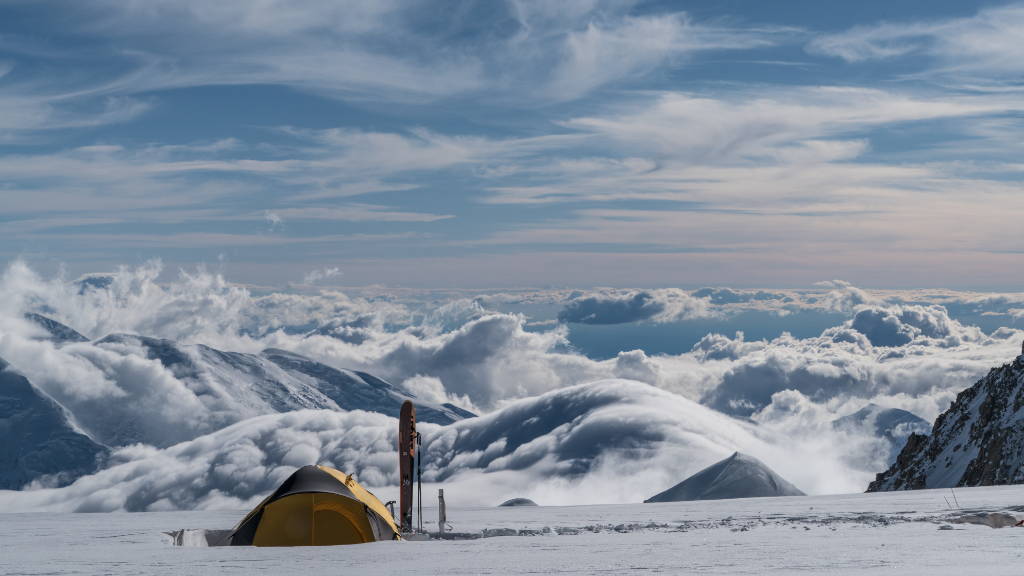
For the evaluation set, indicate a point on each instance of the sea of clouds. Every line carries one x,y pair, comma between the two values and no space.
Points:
554,425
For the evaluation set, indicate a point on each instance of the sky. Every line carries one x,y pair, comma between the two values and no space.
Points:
518,143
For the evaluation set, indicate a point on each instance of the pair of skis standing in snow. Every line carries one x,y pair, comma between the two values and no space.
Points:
408,461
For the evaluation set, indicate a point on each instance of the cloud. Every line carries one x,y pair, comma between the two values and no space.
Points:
730,296
894,349
398,50
982,48
823,186
637,365
432,389
357,213
618,307
903,325
874,42
602,53
880,353
489,359
609,441
844,297
94,198
807,151
191,306
320,274
792,124
274,220
324,47
315,165
715,346
28,113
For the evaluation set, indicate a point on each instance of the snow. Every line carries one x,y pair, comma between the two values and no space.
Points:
738,476
902,532
57,332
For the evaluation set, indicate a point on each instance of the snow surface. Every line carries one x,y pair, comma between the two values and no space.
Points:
885,533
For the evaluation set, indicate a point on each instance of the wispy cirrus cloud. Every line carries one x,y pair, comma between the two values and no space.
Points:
480,128
400,51
977,51
603,53
777,171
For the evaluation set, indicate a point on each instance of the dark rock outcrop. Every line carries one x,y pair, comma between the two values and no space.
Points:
979,441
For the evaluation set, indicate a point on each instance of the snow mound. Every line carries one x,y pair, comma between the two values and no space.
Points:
738,476
517,502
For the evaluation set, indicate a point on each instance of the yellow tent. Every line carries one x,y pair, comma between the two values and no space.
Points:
316,506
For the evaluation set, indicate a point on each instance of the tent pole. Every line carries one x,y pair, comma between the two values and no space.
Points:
442,517
419,484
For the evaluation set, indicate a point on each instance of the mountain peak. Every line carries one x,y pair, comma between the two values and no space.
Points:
738,476
58,332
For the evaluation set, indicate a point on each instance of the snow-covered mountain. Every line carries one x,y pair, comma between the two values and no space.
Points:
160,393
39,440
277,381
891,424
576,430
125,388
59,333
979,441
738,476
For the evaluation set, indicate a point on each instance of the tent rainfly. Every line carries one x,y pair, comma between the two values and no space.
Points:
316,506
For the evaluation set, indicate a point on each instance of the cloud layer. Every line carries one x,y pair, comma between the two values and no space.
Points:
552,418
619,307
611,440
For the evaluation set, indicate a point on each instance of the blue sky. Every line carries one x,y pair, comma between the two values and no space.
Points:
495,144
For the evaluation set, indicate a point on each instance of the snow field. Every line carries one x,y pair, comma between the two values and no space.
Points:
890,533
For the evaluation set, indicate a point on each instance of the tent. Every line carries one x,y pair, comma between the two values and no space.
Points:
316,506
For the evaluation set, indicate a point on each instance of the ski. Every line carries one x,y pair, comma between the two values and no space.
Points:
406,462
